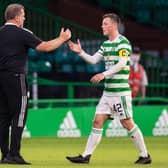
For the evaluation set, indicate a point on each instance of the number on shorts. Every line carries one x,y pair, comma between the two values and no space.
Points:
117,107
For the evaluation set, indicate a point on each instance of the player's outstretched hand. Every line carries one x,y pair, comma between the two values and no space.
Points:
97,78
65,34
75,47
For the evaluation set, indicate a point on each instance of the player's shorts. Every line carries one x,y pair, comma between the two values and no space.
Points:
120,106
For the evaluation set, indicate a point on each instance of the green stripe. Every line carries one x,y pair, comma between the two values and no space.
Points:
97,131
123,72
128,63
113,53
110,53
115,44
116,80
124,42
124,103
117,89
110,44
121,37
134,130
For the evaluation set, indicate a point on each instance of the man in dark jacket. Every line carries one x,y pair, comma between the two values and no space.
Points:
14,44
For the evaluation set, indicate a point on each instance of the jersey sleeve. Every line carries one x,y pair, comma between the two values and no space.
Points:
100,51
30,40
124,49
91,59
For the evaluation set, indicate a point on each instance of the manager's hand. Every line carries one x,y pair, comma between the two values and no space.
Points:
65,34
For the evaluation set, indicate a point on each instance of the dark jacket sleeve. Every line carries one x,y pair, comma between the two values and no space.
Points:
30,40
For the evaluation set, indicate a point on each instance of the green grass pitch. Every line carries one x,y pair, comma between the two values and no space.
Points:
111,153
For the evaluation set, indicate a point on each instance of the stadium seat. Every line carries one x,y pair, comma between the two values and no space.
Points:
67,68
44,66
32,54
95,68
32,67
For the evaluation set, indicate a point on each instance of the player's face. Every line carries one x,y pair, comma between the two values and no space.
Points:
21,18
135,57
107,26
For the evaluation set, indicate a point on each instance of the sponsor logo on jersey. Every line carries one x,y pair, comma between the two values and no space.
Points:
68,127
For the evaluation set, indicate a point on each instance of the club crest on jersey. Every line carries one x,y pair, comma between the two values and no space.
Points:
123,53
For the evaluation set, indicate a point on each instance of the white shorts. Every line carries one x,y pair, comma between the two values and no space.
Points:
120,106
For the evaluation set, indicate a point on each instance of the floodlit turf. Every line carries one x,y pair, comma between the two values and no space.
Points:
111,153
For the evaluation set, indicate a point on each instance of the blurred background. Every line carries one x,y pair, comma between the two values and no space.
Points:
61,78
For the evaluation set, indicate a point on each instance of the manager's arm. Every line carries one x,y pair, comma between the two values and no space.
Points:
51,45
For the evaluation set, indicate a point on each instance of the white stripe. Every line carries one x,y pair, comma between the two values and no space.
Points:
113,58
109,48
9,23
120,76
62,126
23,110
107,58
66,123
28,30
116,85
71,121
23,102
100,50
124,46
165,116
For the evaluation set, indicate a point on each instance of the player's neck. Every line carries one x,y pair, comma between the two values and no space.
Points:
113,35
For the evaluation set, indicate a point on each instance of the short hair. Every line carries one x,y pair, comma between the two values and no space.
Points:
136,50
13,10
114,17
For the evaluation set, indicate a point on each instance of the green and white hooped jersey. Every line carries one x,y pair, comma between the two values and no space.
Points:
116,84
